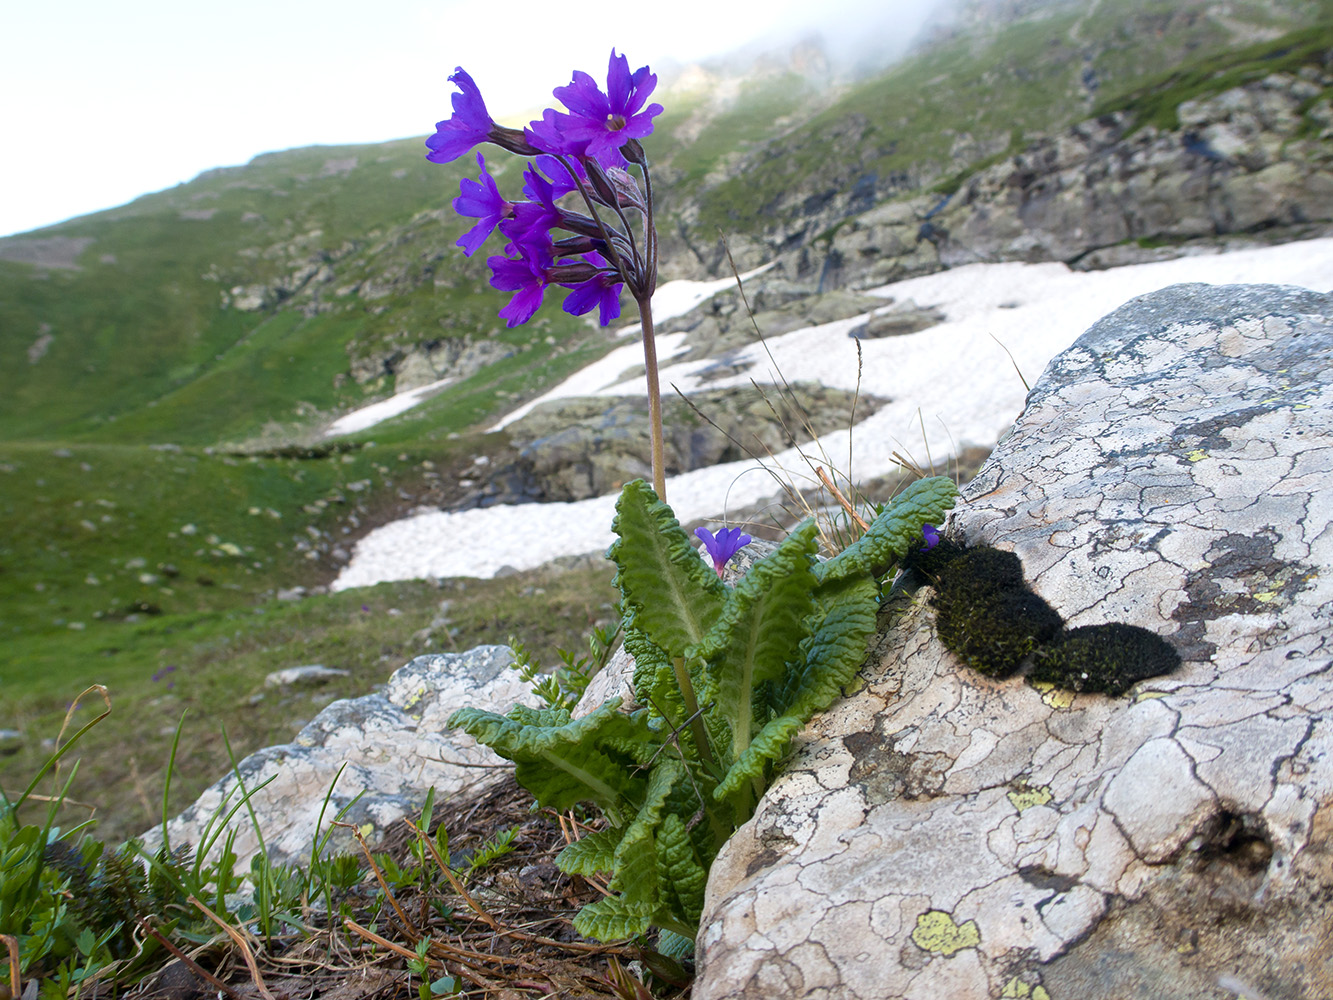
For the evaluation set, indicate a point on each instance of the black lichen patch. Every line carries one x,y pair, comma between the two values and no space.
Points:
988,616
1106,658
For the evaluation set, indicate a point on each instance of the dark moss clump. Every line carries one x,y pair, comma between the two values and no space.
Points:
1107,658
987,615
990,619
932,561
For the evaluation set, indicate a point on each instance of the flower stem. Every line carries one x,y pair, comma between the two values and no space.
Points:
692,706
654,395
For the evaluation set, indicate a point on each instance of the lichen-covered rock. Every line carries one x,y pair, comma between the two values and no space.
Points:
393,746
940,833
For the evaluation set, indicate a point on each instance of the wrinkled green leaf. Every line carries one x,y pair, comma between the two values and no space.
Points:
892,535
842,624
674,596
593,853
613,918
758,631
682,876
654,680
563,761
769,744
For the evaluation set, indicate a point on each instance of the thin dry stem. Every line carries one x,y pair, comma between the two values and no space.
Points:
187,961
11,943
408,927
239,940
837,495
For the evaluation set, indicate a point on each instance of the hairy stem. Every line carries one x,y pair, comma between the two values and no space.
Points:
692,707
654,395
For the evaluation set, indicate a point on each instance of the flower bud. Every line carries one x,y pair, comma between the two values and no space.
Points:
512,139
626,188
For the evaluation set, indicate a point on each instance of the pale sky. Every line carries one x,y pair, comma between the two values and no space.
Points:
105,101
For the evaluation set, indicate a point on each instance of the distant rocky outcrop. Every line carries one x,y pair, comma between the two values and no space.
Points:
1254,161
417,363
941,833
572,449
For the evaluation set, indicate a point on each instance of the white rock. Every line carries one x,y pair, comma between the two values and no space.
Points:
392,746
943,834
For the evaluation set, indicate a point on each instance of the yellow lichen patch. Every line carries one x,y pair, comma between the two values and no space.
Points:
936,932
1053,696
1265,596
1019,990
1149,695
415,699
1197,455
1026,798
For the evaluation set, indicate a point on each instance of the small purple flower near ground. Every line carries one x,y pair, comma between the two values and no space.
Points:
932,536
726,544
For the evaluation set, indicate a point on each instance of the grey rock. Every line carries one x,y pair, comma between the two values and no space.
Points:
899,319
11,742
576,448
940,833
391,746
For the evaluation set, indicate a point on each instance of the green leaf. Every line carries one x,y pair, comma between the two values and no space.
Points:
682,876
561,761
769,744
759,630
893,534
636,854
654,680
841,628
675,598
613,918
591,854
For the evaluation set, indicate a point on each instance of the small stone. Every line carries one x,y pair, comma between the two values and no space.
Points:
315,673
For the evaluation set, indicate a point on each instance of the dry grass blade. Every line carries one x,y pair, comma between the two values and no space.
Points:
12,945
188,962
408,927
837,495
448,873
239,940
1012,362
486,917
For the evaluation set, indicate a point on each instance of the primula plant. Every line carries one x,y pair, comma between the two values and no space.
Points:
726,675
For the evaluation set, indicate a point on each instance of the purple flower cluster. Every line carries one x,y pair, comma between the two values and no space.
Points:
585,150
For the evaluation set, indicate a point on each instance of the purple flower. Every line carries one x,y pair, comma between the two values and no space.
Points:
932,536
469,124
480,200
602,291
526,277
728,542
599,123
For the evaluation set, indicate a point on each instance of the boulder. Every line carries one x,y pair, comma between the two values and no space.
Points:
938,833
572,449
392,746
896,320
